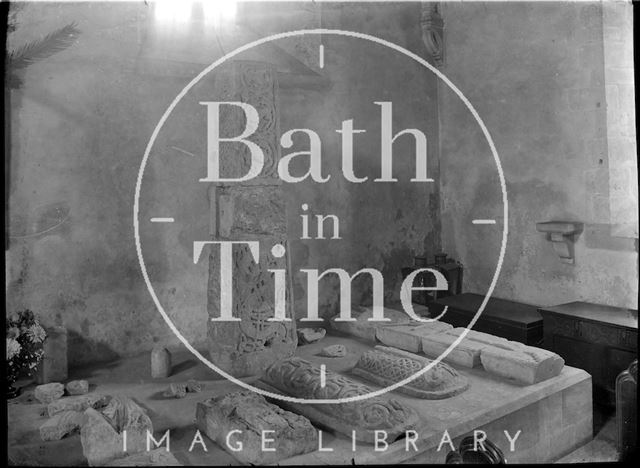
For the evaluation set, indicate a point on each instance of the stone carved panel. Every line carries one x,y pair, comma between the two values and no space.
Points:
253,83
251,414
302,379
249,211
386,366
255,210
247,346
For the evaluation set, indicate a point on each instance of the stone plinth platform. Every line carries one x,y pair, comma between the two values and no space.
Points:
555,416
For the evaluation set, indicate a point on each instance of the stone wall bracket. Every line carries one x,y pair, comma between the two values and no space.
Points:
563,235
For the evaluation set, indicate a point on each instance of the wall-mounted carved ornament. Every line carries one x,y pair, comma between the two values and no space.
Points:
432,26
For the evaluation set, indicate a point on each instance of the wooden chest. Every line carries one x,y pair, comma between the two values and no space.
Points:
600,339
511,320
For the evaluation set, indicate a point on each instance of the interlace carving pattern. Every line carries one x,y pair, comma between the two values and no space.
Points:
389,367
301,379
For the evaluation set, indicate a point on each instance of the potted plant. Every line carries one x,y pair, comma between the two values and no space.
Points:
25,337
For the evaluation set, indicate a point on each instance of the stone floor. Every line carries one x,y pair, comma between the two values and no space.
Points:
132,377
603,446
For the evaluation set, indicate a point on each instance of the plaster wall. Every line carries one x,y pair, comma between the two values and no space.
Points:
80,122
535,74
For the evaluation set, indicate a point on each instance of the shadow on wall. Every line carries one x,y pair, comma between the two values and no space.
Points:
83,346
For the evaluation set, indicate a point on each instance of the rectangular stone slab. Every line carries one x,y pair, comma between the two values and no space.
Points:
466,353
251,414
523,364
484,338
409,337
365,329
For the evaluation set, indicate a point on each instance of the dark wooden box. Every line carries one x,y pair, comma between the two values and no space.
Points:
600,339
511,320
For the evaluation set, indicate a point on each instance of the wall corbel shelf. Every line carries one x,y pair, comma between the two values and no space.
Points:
563,235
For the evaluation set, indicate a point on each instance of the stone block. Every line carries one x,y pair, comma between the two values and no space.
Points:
156,457
53,366
77,387
160,362
193,386
334,351
466,353
251,414
523,364
49,392
176,390
61,424
409,337
103,433
365,329
77,403
310,335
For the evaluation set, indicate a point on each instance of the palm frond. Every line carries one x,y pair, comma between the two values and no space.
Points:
52,43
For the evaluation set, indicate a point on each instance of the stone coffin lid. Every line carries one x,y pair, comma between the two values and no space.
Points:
386,366
466,353
301,379
409,337
251,414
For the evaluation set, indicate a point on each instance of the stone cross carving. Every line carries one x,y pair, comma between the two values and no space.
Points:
249,211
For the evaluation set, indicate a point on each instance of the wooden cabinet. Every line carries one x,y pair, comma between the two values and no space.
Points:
602,340
508,319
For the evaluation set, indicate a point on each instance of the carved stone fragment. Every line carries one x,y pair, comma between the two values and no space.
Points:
409,337
301,379
49,392
102,433
310,335
251,210
386,366
160,362
466,353
77,403
362,327
250,414
333,351
524,364
248,346
60,425
77,387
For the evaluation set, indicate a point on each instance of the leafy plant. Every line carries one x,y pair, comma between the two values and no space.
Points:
35,51
25,337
